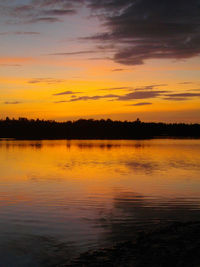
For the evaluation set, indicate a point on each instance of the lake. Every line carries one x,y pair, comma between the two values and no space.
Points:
61,198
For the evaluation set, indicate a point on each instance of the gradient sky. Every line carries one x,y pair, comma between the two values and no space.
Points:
118,59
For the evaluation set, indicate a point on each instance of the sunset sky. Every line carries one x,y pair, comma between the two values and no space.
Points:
118,59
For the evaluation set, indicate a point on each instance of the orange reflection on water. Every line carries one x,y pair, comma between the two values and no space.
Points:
149,167
88,193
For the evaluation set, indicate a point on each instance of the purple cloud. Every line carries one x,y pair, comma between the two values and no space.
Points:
141,95
141,104
66,93
12,102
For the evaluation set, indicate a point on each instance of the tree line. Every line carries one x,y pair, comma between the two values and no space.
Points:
24,128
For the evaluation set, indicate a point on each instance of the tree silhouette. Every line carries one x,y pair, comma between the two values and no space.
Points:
23,128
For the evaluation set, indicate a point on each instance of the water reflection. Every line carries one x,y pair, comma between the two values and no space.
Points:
81,194
93,144
133,212
20,144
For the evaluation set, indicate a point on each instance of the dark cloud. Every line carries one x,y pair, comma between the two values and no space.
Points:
12,102
58,3
66,93
37,10
175,98
150,29
149,87
181,96
97,97
45,80
141,104
142,88
125,97
145,94
184,95
62,101
116,88
44,19
100,58
141,95
72,53
186,83
97,49
59,12
136,30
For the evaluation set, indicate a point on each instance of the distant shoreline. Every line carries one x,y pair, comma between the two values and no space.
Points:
24,129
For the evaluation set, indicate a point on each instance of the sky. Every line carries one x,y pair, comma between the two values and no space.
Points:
119,59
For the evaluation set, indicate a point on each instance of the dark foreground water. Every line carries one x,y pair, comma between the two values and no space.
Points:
61,198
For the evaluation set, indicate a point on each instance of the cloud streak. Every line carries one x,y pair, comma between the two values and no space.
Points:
12,102
35,11
125,97
45,80
141,104
66,93
116,88
184,95
87,98
141,95
135,94
181,96
73,53
44,19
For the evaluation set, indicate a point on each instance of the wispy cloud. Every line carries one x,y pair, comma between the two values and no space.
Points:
96,97
59,12
176,98
142,88
184,95
125,97
141,104
73,53
149,87
66,93
12,102
45,80
61,101
186,83
181,96
34,11
135,95
141,95
116,88
116,70
44,19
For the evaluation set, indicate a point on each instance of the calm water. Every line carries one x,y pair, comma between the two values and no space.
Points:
60,198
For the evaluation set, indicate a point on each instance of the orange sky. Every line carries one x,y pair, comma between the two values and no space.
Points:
50,70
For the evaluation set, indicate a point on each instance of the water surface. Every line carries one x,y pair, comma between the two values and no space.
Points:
60,198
